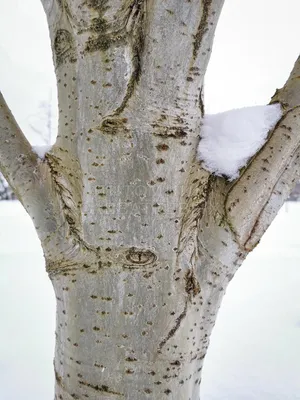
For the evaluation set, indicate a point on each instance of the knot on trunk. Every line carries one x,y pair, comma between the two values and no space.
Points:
141,257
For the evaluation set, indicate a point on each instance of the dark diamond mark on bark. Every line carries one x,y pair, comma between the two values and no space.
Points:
100,388
169,132
130,359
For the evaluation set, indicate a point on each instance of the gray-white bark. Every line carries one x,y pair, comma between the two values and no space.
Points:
140,242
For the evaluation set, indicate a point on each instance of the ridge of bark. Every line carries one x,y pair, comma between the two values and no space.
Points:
136,36
175,328
203,26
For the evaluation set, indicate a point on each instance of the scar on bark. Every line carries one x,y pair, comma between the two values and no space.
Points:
101,38
175,327
64,48
137,46
113,126
101,388
136,40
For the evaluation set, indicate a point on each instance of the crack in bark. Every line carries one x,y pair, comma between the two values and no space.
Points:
135,33
138,40
201,102
63,4
175,328
136,17
202,28
194,207
64,194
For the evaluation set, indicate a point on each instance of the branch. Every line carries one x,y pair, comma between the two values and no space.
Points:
254,200
17,160
28,176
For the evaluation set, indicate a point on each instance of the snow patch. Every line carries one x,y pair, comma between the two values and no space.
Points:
229,139
42,150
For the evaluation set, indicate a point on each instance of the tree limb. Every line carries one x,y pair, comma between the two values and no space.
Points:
257,196
28,176
17,160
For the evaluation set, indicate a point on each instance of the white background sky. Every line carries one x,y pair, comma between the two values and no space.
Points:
26,68
257,43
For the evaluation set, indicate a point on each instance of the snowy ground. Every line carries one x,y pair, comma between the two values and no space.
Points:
255,348
27,307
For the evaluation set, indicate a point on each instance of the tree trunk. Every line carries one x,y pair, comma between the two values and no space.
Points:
132,334
140,242
132,319
135,322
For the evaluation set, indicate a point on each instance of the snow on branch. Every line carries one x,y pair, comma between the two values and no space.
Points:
229,139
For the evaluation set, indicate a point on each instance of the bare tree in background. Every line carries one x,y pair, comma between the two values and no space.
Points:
295,195
41,124
140,242
5,191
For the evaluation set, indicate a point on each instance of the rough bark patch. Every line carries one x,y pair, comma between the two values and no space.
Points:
192,286
64,47
114,126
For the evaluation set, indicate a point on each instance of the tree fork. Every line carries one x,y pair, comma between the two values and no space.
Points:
140,242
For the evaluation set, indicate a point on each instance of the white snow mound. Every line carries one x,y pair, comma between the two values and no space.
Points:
42,150
230,138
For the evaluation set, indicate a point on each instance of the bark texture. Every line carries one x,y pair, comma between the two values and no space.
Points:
140,242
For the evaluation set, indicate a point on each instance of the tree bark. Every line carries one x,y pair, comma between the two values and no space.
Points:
131,333
140,242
